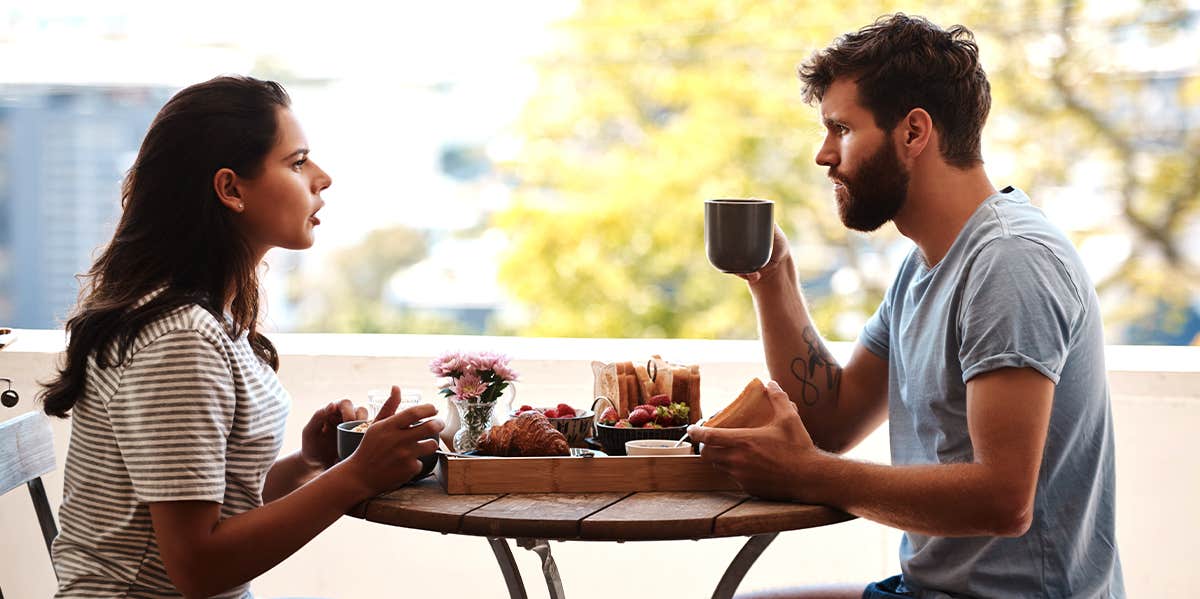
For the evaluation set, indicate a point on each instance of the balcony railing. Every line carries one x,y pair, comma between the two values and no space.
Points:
1156,404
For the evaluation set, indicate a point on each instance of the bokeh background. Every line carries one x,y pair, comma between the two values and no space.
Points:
538,168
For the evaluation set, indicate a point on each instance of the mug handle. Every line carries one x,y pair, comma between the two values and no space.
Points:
595,412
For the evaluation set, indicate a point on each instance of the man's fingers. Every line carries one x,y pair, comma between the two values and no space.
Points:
724,437
389,406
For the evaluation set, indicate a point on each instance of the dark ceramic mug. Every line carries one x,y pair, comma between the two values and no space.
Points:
348,440
739,233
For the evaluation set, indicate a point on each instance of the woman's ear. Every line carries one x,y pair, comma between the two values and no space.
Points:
916,132
225,183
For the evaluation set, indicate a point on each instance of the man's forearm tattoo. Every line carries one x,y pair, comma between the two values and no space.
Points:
805,369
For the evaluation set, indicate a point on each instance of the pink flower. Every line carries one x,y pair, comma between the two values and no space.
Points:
503,371
448,364
469,386
482,361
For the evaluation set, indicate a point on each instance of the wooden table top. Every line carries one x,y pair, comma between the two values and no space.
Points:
644,516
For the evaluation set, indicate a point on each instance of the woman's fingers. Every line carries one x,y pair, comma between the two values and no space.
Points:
389,406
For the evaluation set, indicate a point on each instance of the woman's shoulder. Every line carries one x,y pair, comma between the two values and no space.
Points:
190,320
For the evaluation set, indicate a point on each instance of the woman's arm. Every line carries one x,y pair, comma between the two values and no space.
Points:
318,450
205,555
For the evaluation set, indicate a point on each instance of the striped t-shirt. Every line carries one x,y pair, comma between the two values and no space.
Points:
192,415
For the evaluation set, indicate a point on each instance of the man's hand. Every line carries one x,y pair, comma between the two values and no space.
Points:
771,461
318,442
780,255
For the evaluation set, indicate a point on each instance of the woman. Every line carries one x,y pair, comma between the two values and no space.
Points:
171,481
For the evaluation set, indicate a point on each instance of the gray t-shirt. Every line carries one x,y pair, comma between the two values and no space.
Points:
1011,292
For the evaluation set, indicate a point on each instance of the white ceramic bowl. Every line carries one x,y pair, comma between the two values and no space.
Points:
657,447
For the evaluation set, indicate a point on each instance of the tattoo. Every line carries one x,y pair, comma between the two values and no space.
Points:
805,371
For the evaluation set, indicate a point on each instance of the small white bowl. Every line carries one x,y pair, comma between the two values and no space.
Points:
657,447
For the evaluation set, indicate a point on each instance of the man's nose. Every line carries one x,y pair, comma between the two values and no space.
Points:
826,155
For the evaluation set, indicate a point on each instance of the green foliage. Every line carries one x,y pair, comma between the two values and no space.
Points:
652,106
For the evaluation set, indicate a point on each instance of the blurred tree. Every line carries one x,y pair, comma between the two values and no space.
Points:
652,106
350,296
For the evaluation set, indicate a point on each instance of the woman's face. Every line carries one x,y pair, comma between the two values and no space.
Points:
281,203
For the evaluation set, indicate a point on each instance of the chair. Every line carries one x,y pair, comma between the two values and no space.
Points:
27,453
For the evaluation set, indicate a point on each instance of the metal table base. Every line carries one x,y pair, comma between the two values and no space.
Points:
728,584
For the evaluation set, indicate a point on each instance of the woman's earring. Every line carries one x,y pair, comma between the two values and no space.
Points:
9,398
241,206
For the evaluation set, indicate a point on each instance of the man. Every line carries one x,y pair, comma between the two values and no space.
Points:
986,355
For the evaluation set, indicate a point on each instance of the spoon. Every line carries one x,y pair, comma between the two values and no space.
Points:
685,438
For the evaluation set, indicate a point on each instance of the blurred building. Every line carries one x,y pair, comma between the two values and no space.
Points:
63,152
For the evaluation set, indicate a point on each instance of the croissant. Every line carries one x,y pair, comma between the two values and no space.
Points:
528,434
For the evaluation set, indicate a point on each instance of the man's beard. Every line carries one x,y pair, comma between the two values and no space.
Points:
874,193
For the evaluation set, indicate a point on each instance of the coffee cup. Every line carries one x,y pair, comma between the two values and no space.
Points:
739,233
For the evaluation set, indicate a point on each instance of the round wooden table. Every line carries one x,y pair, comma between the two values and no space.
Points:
534,519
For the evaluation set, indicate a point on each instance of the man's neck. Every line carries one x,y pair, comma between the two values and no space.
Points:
940,201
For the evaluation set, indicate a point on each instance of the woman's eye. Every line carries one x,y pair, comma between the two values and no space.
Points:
299,164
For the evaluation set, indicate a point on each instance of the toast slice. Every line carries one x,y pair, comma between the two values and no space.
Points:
749,410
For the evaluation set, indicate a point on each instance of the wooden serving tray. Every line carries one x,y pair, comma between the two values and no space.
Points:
467,476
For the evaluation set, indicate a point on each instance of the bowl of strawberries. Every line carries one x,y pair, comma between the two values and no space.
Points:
658,418
574,423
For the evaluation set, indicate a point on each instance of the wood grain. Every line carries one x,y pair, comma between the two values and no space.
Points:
424,505
580,475
659,516
756,516
26,450
538,515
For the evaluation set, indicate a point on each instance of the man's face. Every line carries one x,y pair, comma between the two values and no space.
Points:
870,183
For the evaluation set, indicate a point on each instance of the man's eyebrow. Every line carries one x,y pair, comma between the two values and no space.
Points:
830,122
301,152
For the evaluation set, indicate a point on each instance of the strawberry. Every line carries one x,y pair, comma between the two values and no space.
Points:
623,424
524,409
664,416
652,425
660,400
565,411
609,417
639,418
551,413
646,408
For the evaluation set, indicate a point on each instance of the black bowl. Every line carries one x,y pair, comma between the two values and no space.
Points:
613,438
348,440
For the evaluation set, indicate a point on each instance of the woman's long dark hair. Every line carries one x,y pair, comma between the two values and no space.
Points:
174,233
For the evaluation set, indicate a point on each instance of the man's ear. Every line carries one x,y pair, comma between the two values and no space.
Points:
225,183
916,132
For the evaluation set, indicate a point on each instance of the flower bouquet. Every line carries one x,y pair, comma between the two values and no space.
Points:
473,382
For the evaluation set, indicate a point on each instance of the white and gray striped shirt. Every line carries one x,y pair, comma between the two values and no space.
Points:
192,415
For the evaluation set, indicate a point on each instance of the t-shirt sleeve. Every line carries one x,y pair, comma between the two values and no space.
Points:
1019,309
172,415
874,335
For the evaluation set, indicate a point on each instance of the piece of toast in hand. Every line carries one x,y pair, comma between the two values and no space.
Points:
749,410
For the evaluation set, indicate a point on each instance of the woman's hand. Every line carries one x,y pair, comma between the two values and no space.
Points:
390,450
318,442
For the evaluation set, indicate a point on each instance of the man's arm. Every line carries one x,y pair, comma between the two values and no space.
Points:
840,406
1008,414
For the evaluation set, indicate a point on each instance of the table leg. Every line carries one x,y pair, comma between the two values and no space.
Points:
512,576
741,564
549,569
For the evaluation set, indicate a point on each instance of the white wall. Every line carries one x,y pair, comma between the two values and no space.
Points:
1156,396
